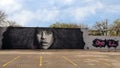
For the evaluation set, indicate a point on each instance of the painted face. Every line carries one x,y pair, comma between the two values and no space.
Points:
45,39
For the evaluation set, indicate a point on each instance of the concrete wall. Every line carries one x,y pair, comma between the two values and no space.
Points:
54,38
103,42
85,36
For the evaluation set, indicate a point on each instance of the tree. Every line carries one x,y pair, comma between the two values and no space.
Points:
65,25
115,28
13,24
94,32
4,22
102,27
2,18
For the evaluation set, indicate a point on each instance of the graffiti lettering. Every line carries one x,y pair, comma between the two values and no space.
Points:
99,43
103,43
112,43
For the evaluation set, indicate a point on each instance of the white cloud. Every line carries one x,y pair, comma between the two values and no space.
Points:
23,17
62,2
112,8
58,9
89,0
83,12
10,6
17,12
46,15
67,1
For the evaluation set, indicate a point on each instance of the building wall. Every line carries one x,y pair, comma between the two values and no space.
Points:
54,38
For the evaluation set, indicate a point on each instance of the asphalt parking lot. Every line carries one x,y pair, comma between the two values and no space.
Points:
59,59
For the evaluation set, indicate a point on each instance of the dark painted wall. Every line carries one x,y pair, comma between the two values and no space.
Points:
42,38
2,30
18,38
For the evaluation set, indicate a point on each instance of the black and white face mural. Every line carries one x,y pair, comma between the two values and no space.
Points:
42,38
45,38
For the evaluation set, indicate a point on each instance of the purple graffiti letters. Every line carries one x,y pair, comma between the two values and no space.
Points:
112,43
103,43
100,43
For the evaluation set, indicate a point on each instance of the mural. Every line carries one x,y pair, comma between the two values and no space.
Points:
103,43
45,38
42,38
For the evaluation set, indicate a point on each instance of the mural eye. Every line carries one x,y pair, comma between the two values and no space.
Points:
48,32
39,32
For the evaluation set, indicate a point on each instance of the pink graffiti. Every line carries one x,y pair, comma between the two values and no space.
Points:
100,43
112,43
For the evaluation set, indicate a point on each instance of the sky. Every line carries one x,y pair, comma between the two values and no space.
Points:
43,13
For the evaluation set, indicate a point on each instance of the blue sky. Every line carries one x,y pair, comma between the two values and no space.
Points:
42,13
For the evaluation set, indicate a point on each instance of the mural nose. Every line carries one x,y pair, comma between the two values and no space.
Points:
42,38
43,35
